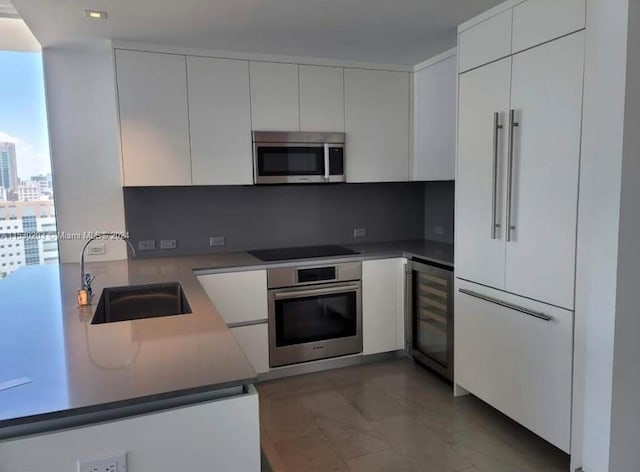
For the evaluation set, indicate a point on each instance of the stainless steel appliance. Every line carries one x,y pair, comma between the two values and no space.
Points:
430,316
294,158
314,312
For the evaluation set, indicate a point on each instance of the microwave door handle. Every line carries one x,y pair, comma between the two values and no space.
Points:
326,161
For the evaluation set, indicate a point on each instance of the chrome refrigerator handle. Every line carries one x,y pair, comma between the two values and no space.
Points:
513,124
494,195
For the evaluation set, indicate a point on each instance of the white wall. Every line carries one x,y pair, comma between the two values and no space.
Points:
85,147
625,415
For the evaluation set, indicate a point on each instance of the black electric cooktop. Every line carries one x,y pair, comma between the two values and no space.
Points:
284,254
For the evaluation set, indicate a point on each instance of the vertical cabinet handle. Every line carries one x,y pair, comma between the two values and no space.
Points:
494,195
513,124
326,161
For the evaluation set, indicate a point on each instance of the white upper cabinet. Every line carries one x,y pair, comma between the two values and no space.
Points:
481,180
538,21
547,98
486,41
220,121
154,121
274,96
321,98
377,125
434,151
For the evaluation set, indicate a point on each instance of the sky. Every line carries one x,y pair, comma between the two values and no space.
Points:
23,117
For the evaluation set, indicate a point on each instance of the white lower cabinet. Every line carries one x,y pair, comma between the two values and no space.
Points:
382,305
254,341
516,355
239,297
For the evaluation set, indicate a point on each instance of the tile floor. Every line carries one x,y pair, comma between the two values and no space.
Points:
391,417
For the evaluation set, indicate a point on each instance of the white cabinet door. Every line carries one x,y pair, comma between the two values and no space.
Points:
547,98
220,121
154,122
379,308
254,341
238,296
519,364
377,125
539,21
321,98
434,133
485,42
274,96
480,255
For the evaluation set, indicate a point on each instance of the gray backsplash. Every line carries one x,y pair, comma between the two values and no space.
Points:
258,217
439,203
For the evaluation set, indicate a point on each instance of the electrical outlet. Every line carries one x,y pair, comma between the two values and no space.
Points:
438,230
359,232
148,245
167,244
97,250
216,241
114,463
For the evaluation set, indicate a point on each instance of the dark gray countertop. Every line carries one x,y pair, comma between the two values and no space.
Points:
76,367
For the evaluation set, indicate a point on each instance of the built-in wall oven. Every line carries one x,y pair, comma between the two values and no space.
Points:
429,330
298,157
314,312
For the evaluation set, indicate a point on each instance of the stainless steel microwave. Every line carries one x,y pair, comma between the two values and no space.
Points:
298,157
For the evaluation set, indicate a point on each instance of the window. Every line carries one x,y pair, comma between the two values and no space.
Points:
26,188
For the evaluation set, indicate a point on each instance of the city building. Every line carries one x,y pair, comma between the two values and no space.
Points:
8,166
29,192
27,235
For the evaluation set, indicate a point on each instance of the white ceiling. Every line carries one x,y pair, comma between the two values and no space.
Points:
387,31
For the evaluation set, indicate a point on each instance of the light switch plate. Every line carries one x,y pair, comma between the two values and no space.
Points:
147,245
359,232
168,244
97,249
438,230
114,463
215,241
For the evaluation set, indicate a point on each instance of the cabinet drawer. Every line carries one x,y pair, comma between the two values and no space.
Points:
254,341
517,362
238,296
485,42
539,21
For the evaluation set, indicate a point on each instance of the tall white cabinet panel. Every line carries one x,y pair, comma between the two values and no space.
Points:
516,362
435,121
547,98
538,21
154,122
379,308
377,125
321,98
274,96
480,183
220,121
485,42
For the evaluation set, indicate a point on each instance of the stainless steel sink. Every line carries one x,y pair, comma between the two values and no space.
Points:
141,301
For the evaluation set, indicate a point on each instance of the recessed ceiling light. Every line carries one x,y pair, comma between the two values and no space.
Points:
96,14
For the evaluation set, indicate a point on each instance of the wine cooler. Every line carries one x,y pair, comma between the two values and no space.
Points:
430,316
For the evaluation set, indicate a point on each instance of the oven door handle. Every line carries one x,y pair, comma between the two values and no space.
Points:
326,161
305,292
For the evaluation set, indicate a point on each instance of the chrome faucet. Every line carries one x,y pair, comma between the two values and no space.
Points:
85,293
